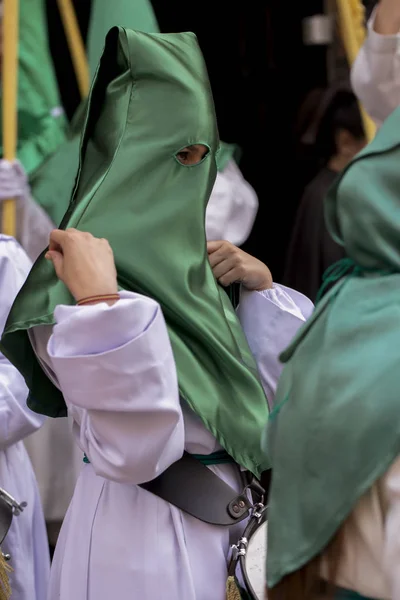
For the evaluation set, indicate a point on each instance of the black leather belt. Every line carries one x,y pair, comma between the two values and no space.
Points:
192,487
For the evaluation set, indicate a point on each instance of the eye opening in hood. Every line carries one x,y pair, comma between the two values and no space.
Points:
192,154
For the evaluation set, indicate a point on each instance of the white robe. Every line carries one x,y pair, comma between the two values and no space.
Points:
56,459
376,74
33,224
232,208
26,540
116,370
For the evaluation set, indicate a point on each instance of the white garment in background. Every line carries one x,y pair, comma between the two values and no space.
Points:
26,540
232,207
370,565
117,373
371,538
57,462
376,74
33,224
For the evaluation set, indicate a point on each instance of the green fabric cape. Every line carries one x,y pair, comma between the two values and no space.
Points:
41,124
151,97
336,426
53,182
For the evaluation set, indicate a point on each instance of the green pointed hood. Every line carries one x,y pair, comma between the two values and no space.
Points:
151,97
138,15
336,428
52,184
41,122
226,153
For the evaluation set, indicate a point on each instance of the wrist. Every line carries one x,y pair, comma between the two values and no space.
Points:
108,302
109,299
266,286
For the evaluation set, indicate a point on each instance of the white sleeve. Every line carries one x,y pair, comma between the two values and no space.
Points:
116,370
232,207
16,420
391,553
376,74
33,224
270,320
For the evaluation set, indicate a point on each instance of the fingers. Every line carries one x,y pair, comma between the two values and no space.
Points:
229,271
214,246
54,245
224,267
220,251
57,259
226,261
59,238
232,276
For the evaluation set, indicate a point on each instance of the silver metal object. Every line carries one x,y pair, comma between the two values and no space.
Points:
257,511
318,30
16,507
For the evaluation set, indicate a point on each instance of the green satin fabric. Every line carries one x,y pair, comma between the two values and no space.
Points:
349,595
138,15
226,153
41,126
52,184
151,97
336,428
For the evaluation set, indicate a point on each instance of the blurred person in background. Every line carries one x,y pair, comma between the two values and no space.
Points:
33,224
376,71
40,128
334,137
26,541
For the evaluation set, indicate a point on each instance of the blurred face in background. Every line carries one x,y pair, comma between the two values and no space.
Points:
348,145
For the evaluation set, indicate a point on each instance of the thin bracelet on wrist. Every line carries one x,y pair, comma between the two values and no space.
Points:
99,298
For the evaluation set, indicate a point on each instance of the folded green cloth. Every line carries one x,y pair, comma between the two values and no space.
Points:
342,594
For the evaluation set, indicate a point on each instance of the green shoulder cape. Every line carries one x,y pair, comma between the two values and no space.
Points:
151,98
336,428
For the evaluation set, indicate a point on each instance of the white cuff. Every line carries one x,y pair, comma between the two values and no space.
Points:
90,330
286,299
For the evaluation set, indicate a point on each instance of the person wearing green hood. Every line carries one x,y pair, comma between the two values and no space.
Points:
233,205
135,339
334,436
